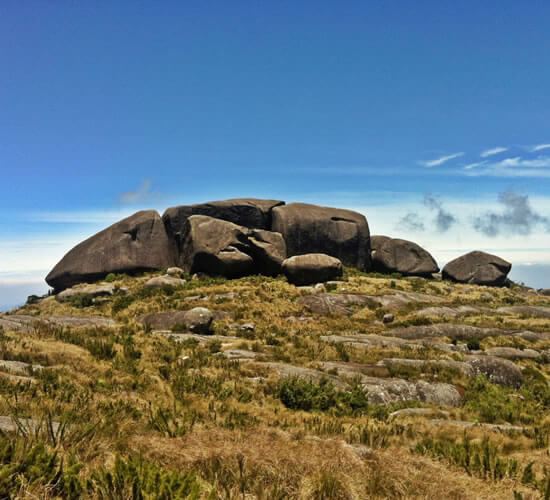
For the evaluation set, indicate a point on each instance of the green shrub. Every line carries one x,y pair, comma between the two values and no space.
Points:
110,278
121,303
81,300
298,393
473,345
136,479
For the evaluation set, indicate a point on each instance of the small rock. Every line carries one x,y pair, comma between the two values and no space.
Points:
198,320
388,318
246,327
174,271
165,280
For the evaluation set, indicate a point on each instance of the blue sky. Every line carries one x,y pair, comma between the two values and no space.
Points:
411,112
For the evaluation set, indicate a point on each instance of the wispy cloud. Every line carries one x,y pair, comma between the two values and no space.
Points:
476,164
411,222
492,151
443,218
511,167
539,147
441,160
517,217
143,193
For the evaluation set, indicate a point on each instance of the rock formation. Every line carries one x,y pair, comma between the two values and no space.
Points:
311,268
248,212
393,255
137,243
477,268
218,247
343,234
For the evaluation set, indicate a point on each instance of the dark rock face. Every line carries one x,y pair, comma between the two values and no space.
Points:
136,243
477,268
311,268
248,212
392,255
343,234
218,247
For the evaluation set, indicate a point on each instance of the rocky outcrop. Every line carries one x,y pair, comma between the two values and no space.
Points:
311,268
137,243
91,291
166,280
26,323
248,212
217,247
393,255
198,320
497,370
533,311
343,234
349,303
477,268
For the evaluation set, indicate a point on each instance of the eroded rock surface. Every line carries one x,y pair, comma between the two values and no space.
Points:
343,234
393,255
478,268
134,244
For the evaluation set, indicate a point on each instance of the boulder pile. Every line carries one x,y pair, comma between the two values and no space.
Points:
245,236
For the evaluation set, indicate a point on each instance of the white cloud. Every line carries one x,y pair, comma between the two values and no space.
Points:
539,147
440,160
512,167
476,164
143,193
493,151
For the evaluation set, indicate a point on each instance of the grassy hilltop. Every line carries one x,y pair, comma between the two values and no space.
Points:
276,403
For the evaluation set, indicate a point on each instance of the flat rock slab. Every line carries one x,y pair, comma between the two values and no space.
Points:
241,355
417,412
343,303
469,425
353,369
451,312
534,311
371,340
423,365
26,323
201,339
497,370
19,367
460,332
12,424
383,390
513,353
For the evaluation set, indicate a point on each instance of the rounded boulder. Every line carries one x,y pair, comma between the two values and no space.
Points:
312,268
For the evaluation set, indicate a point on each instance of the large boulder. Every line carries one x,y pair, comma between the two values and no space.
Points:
197,320
217,247
393,255
311,268
477,268
498,371
343,234
248,212
137,243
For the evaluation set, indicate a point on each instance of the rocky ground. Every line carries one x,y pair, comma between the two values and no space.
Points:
374,386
